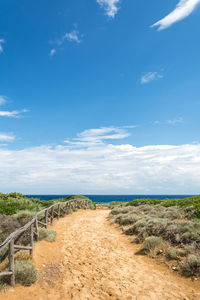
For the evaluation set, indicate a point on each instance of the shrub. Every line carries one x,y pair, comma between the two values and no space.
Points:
151,243
25,272
7,226
192,202
2,285
22,255
172,253
47,235
190,266
128,219
120,210
115,203
11,206
190,248
24,216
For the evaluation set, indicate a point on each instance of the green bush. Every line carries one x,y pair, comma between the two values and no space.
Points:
11,206
126,219
25,272
190,266
150,243
24,216
172,253
47,235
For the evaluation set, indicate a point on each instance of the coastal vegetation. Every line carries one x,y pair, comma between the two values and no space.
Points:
168,230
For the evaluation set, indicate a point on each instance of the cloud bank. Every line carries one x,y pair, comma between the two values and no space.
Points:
93,162
183,9
110,6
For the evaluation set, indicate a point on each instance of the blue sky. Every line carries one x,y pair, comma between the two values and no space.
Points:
100,96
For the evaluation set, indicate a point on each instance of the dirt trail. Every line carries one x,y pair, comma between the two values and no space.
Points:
94,260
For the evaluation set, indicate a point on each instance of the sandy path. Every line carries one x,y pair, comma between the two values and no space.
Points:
94,260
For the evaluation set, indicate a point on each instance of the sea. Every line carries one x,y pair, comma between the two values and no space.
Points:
101,199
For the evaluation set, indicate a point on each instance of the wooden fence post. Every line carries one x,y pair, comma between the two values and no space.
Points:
31,241
37,229
46,218
58,211
52,214
11,262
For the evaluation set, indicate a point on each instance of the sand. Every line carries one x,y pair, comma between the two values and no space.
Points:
92,259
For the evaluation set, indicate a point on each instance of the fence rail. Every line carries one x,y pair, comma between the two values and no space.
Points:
49,214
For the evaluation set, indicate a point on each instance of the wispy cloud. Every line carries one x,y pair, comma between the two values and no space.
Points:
73,36
3,100
110,6
183,9
150,76
5,137
12,114
175,121
104,166
99,135
2,41
52,52
170,122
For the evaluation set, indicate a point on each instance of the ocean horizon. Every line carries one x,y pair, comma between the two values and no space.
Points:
100,199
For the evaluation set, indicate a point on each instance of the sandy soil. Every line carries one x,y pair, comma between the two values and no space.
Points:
94,260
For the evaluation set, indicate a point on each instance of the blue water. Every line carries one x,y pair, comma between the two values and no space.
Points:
109,198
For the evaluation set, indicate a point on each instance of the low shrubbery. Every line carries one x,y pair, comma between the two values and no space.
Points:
190,266
47,235
150,243
191,204
25,272
24,216
165,230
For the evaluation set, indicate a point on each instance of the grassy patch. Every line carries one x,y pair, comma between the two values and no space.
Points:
47,235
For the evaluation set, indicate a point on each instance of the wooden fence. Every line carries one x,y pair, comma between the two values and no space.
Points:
55,210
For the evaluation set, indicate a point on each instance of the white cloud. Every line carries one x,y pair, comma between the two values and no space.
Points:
150,76
52,52
175,121
170,122
73,36
110,6
3,100
2,41
12,114
5,137
183,9
102,166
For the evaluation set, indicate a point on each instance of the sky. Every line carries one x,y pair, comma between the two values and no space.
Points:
100,97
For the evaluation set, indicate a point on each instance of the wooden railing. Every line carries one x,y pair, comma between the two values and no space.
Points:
55,210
